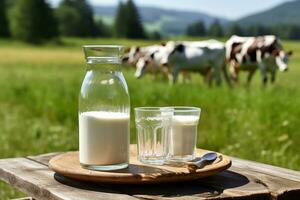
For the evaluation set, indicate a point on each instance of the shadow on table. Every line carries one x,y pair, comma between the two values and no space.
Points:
205,187
141,169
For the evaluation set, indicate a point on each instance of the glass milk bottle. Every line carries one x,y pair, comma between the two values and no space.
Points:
104,111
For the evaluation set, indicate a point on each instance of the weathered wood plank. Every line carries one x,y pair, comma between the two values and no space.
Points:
44,158
226,185
282,183
244,180
267,169
37,181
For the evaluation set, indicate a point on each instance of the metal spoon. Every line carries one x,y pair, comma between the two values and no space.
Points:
204,160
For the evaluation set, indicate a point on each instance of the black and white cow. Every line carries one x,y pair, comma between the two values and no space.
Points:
251,53
152,62
136,52
139,56
205,57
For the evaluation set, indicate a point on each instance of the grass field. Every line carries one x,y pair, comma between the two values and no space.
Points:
38,106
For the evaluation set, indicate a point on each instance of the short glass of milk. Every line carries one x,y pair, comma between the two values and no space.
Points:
104,110
183,135
153,126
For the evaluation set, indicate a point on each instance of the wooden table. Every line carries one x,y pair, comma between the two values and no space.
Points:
243,180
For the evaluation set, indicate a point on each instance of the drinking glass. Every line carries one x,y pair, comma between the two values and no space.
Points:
104,110
153,127
183,135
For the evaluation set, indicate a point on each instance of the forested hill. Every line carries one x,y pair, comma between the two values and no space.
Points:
165,20
285,13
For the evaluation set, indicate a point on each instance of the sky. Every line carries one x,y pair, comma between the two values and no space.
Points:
230,9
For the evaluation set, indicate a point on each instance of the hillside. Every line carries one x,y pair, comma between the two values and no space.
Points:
285,13
170,22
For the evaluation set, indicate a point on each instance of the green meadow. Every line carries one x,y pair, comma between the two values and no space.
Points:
39,88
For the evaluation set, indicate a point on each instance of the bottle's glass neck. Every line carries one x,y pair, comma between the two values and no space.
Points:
103,58
105,64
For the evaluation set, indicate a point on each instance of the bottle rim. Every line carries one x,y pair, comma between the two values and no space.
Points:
103,46
103,53
168,108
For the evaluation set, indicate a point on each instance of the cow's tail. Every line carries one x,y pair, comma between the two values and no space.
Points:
225,73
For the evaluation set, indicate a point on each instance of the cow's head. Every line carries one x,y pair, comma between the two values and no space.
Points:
142,64
165,52
282,59
133,55
126,55
140,68
125,59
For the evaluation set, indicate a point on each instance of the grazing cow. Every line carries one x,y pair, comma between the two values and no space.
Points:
208,67
136,52
137,56
251,53
207,58
151,62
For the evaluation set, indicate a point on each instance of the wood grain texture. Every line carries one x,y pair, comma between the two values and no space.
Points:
38,182
224,185
244,180
137,173
282,183
44,158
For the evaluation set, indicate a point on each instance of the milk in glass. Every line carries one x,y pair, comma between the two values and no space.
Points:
104,138
183,136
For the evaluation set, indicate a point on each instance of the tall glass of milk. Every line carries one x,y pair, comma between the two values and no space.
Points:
104,110
183,135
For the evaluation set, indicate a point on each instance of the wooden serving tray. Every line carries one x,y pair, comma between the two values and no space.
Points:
67,164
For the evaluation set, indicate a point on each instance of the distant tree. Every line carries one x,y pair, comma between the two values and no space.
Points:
280,30
32,21
283,31
258,29
155,35
128,22
293,32
196,29
120,25
134,25
216,29
102,29
4,30
235,29
76,18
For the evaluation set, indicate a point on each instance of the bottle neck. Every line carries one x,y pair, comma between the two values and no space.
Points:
105,64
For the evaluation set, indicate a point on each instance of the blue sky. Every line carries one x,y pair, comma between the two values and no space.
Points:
231,9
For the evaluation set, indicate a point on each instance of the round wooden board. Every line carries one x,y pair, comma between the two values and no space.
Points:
67,164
